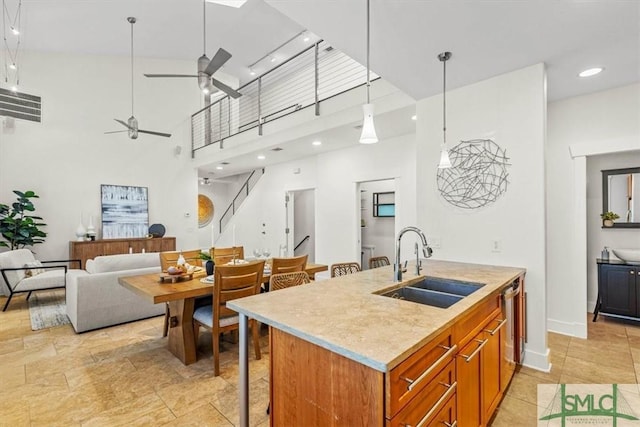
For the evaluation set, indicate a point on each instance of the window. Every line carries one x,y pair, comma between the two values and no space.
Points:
384,204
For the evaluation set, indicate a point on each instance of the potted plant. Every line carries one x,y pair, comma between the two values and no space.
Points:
18,227
608,218
208,265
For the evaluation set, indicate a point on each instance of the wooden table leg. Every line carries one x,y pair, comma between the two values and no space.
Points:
181,339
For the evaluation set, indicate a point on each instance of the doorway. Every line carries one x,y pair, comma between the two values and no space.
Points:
301,238
377,220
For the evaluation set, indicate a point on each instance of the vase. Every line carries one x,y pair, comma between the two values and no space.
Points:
209,266
91,230
81,232
608,223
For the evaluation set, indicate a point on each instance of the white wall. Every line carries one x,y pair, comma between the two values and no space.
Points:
304,223
378,231
602,122
334,176
65,158
511,109
597,236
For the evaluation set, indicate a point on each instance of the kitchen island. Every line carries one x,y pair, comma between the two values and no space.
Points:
341,354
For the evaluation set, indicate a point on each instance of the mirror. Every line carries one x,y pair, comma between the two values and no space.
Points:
621,195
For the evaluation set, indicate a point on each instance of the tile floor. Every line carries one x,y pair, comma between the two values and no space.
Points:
124,375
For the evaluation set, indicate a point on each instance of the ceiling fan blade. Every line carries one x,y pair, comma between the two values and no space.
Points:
122,123
168,135
217,61
226,89
116,131
170,75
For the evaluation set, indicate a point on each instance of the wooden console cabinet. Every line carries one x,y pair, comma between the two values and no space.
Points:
91,249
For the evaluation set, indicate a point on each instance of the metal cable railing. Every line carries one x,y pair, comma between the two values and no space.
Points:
315,74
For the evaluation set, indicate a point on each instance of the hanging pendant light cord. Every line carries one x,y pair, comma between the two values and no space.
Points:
368,48
204,27
444,101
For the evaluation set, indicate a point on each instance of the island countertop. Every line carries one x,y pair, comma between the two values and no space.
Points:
346,316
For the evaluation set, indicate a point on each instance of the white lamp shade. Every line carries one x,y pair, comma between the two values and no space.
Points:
368,135
445,162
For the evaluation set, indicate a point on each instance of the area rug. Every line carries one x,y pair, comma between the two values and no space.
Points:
48,309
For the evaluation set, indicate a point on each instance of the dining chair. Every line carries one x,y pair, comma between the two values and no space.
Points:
287,280
288,265
378,261
169,258
230,282
222,256
344,268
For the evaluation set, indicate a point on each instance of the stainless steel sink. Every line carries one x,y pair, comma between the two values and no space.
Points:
449,286
423,296
435,292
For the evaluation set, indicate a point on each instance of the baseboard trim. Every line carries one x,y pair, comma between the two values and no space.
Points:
572,329
537,361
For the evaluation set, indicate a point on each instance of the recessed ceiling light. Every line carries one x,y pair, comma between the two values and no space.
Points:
414,117
232,3
15,31
591,72
219,168
12,66
261,157
252,72
14,88
272,58
316,143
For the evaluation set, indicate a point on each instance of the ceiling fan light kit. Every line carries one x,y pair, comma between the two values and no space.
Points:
368,135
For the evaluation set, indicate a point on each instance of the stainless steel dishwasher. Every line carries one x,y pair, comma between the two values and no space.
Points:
509,311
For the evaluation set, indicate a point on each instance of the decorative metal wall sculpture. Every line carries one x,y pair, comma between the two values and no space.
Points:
478,176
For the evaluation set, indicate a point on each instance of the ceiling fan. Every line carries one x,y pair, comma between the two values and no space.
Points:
206,67
132,123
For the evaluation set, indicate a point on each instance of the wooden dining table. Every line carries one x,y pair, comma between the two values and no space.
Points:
181,297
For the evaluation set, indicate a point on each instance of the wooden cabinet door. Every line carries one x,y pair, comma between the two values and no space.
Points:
618,290
469,374
116,247
492,361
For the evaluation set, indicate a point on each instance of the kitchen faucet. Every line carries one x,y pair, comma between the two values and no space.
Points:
426,250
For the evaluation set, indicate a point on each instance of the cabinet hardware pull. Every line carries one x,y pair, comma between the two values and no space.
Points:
453,424
476,351
451,388
413,383
497,328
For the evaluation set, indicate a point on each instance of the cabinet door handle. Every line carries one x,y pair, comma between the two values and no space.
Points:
476,351
451,388
413,383
497,328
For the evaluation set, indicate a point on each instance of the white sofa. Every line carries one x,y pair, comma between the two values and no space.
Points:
95,299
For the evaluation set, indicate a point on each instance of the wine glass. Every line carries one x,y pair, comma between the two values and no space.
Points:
266,252
257,252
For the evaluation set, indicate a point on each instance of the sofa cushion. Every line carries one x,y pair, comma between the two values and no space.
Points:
108,263
53,278
15,259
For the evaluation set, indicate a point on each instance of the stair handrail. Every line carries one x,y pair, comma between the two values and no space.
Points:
307,237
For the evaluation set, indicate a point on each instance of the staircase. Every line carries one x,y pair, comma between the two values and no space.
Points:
244,191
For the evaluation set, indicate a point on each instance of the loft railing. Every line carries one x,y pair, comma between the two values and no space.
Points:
313,75
301,242
248,185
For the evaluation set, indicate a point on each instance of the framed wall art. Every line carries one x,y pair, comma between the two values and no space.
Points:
125,211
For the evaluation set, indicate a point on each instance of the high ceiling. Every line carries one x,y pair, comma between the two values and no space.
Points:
487,37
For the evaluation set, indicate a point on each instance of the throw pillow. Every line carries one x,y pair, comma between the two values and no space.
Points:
33,269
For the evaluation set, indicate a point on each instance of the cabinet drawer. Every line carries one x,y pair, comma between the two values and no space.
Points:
467,327
411,376
431,403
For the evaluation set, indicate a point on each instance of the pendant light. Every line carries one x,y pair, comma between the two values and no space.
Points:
445,162
368,135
